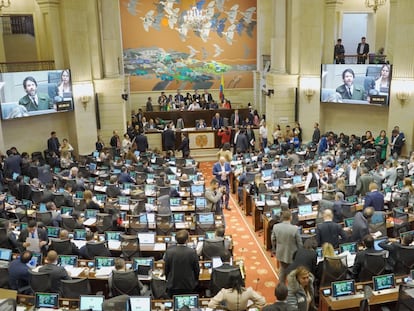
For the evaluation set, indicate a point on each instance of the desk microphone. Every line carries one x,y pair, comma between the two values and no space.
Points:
257,283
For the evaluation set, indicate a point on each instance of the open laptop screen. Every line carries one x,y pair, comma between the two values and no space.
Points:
181,301
92,303
5,254
382,282
304,209
142,261
146,237
79,234
53,232
343,288
104,262
46,300
205,218
351,247
68,260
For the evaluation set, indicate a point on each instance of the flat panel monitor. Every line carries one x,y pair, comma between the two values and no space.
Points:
100,197
143,261
104,262
79,234
267,174
405,233
276,212
205,218
5,254
350,247
42,207
377,218
91,302
46,300
305,209
36,260
175,202
27,203
313,190
138,303
53,232
91,213
197,189
348,222
178,217
181,301
146,237
150,190
92,167
123,200
66,210
79,195
68,260
112,235
343,288
200,202
296,179
382,282
276,183
18,88
352,199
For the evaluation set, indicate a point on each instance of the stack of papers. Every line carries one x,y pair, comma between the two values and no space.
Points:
104,271
74,271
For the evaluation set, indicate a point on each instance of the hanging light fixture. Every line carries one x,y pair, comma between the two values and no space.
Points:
374,4
195,18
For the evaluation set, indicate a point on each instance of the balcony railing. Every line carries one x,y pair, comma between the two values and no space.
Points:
27,66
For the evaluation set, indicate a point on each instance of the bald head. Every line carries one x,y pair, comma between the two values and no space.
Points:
327,215
51,257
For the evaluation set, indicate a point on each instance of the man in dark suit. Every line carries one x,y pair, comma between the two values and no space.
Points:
374,198
363,182
217,122
208,98
339,52
185,146
34,101
113,190
181,266
168,139
329,231
281,293
115,143
222,170
316,136
56,273
235,120
142,142
393,246
396,142
53,144
124,177
19,275
217,282
362,51
32,231
241,142
360,226
349,90
12,164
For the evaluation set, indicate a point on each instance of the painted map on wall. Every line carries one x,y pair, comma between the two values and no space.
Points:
162,50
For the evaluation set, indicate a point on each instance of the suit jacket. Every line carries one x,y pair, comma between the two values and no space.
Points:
56,274
217,171
53,145
43,102
363,184
233,122
398,144
279,306
374,199
359,228
358,92
359,261
329,231
304,257
217,124
168,139
185,147
142,143
287,240
19,275
366,49
242,143
42,234
181,268
12,164
113,191
347,173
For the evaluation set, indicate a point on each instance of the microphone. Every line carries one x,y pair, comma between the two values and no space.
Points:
257,283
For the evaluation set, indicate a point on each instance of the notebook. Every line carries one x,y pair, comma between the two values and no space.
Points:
175,202
113,238
200,203
139,303
181,301
46,301
5,257
66,210
92,303
79,234
384,284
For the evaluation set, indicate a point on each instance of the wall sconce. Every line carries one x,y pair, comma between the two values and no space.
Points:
309,93
85,100
403,96
270,92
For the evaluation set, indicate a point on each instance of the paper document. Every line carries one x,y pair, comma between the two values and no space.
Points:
34,244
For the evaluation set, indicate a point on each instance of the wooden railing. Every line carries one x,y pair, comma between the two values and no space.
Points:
27,66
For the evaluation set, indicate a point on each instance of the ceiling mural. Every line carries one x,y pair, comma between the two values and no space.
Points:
189,44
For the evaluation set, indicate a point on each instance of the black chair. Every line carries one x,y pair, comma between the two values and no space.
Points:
37,196
374,264
220,278
164,224
334,269
4,278
164,205
97,249
115,303
138,223
158,288
404,260
39,282
213,248
125,283
401,223
164,191
25,192
69,223
75,287
62,247
379,224
58,199
130,246
103,222
405,297
348,210
45,218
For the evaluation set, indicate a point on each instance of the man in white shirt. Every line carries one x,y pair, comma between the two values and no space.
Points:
263,135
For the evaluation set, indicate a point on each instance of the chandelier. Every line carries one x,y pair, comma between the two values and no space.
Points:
195,18
374,4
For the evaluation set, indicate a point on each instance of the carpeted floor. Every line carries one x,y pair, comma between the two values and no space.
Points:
260,267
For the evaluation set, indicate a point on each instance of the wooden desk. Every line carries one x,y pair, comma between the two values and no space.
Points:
247,202
267,231
257,215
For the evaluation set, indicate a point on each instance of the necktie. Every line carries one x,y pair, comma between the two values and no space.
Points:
33,235
34,101
349,92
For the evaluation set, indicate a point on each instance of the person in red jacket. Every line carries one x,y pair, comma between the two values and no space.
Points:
225,134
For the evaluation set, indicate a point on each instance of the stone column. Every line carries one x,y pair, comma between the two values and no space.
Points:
278,42
330,29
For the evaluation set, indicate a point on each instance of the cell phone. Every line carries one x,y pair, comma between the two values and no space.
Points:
326,292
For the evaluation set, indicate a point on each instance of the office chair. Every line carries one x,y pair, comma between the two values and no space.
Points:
115,303
97,249
334,269
36,196
162,190
58,199
220,278
401,223
164,224
24,192
39,282
348,210
125,283
79,205
380,225
68,223
62,247
213,248
201,229
75,287
130,246
164,204
405,297
404,260
374,264
158,288
45,218
137,224
4,278
103,222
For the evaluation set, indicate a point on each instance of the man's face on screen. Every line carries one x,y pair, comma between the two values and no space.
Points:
348,78
31,88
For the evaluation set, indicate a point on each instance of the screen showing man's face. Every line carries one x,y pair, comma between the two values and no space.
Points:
348,78
30,88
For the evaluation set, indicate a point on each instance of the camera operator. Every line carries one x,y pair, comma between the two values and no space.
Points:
214,194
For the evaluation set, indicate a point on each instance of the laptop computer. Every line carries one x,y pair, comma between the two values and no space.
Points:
350,247
79,234
200,202
68,260
384,284
5,257
175,202
296,179
100,197
137,303
53,232
143,267
267,174
79,195
46,301
92,167
150,190
91,303
197,190
146,237
343,289
113,238
377,242
66,210
36,260
101,262
305,209
205,218
348,222
181,301
42,207
352,199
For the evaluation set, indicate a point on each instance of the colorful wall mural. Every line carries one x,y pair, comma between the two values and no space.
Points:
163,51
